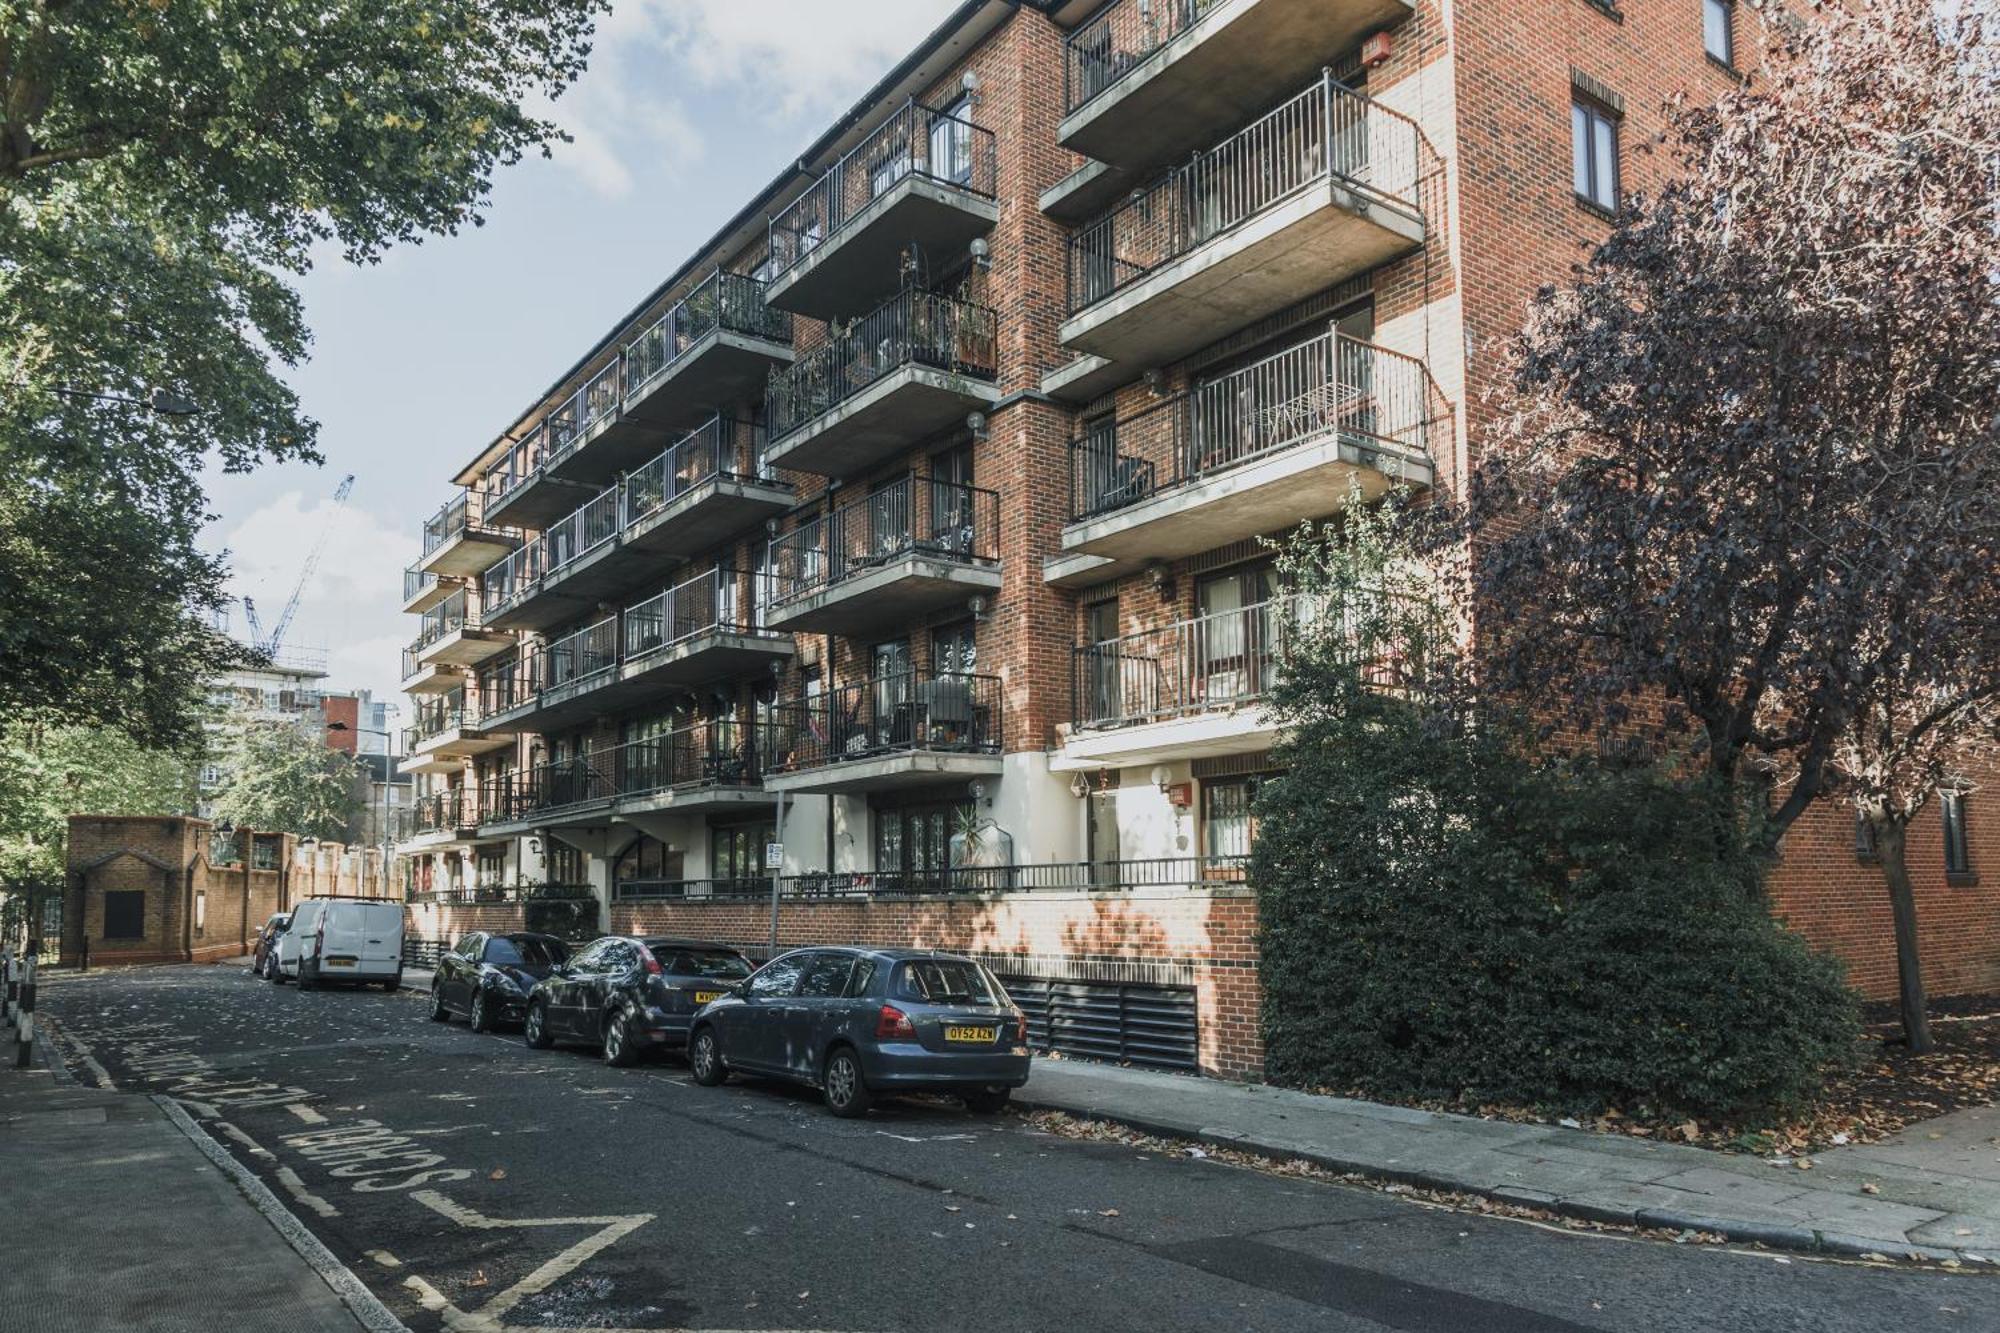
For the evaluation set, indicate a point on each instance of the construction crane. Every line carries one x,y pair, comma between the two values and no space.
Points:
269,646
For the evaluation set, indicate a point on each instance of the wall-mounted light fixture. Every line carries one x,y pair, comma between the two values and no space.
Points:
982,254
976,423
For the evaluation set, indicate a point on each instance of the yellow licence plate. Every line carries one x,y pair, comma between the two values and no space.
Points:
971,1034
704,996
340,962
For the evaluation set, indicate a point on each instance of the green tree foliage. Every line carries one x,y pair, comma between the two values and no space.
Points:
50,772
164,168
282,777
1444,914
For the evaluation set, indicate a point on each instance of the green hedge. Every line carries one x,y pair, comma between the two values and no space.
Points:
1444,919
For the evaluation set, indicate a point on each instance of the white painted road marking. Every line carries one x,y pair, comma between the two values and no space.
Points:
297,1189
611,1229
306,1113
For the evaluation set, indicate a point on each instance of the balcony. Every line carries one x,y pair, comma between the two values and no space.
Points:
897,731
453,636
459,541
915,366
422,590
1189,689
702,491
1320,189
710,766
1145,81
569,568
520,490
421,677
446,733
714,347
886,559
923,178
1289,438
698,631
440,819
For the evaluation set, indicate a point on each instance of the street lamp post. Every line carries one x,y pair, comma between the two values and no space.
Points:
382,826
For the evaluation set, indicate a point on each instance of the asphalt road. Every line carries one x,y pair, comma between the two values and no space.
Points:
477,1185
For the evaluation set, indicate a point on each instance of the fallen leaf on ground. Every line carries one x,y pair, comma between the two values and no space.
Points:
1107,1212
1870,1187
499,1173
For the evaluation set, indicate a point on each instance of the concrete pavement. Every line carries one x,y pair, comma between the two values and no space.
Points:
106,1191
1933,1191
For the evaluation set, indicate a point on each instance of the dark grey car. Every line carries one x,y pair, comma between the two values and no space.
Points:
630,994
861,1022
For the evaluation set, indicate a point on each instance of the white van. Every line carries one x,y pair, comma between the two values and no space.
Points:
342,939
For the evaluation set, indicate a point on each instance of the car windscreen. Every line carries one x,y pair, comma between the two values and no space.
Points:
715,964
943,981
526,952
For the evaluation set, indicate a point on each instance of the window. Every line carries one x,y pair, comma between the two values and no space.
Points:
736,851
1718,30
647,861
1228,826
827,975
524,951
943,981
1957,850
125,914
491,872
712,964
470,946
1594,144
951,143
566,865
915,841
955,649
779,977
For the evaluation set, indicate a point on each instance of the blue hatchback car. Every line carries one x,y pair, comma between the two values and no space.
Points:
858,1023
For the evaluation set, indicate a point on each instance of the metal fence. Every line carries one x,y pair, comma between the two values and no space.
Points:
437,714
561,544
447,617
707,452
915,141
416,580
455,519
728,301
1328,132
1217,660
522,463
914,516
722,600
910,329
1189,872
446,811
888,714
1332,383
1118,39
583,412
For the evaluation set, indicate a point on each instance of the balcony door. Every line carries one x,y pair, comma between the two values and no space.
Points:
1230,651
889,686
951,519
913,843
951,144
1103,693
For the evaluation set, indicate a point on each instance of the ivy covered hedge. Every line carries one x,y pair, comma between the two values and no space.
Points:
1446,916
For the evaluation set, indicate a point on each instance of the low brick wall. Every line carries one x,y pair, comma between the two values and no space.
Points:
448,923
1204,939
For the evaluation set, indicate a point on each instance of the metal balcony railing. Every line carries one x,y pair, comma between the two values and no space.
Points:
578,657
1221,660
447,617
889,714
914,516
721,601
446,811
410,665
915,141
911,329
438,714
1118,40
521,465
707,754
582,412
1327,133
705,453
733,302
455,519
416,580
1331,383
1187,872
561,544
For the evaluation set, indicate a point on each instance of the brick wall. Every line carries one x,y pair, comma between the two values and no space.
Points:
447,923
1206,940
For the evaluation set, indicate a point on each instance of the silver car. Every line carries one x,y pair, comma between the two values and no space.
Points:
859,1023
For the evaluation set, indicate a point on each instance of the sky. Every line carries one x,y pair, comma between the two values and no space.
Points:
689,107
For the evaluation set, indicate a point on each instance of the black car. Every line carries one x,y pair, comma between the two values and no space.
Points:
487,977
630,994
859,1023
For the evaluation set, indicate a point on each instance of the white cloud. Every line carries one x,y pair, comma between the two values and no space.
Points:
808,55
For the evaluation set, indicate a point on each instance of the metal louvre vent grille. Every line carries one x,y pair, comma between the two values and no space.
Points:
1233,765
1141,1025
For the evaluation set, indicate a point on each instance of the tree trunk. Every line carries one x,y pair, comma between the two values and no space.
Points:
1890,845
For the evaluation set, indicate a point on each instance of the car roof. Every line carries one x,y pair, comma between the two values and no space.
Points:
885,955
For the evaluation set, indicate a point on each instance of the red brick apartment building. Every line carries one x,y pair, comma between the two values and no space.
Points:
921,507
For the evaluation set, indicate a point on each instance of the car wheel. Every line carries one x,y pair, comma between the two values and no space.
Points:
986,1101
308,977
620,1050
395,983
847,1092
482,1020
705,1059
276,973
439,1012
536,1030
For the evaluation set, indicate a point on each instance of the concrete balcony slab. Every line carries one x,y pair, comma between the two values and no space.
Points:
899,591
860,263
901,408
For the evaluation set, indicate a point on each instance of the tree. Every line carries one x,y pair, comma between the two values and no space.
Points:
49,772
1744,474
280,776
163,169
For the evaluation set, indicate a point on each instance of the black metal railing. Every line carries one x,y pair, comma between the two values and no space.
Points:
891,714
1219,660
915,141
721,752
1332,384
1182,872
1328,132
446,811
447,617
910,329
438,714
465,514
563,543
733,302
416,580
708,452
915,516
1119,39
721,601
